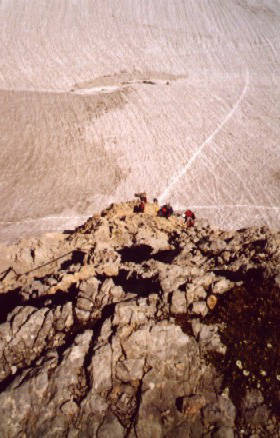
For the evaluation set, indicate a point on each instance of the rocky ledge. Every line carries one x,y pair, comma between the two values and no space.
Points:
136,326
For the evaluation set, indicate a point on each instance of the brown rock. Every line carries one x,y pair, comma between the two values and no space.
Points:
192,405
211,301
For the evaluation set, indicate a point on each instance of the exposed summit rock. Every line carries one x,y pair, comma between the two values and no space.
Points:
136,326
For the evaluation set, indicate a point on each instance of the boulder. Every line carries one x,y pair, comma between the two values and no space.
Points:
224,432
221,413
200,308
221,286
179,304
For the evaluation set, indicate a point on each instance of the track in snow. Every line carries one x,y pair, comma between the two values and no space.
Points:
122,96
177,177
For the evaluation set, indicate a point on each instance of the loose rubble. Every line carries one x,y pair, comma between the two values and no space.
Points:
136,326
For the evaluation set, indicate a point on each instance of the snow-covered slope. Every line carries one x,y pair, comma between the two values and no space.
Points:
102,98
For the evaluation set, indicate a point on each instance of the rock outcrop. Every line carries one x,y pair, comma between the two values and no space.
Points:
136,326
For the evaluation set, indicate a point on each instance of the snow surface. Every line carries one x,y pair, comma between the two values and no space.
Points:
103,98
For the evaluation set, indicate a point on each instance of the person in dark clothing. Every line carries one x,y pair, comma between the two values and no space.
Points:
189,218
142,196
162,211
140,208
165,211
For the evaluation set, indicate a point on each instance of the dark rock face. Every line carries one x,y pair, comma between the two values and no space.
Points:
135,326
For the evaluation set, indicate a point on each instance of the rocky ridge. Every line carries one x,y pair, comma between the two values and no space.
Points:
136,326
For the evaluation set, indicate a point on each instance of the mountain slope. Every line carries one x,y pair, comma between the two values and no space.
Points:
99,101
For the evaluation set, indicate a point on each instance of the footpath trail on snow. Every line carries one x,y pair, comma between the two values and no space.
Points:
97,103
176,178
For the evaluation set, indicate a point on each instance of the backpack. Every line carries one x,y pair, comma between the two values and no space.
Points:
190,214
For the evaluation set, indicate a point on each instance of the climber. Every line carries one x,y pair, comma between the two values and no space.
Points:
189,218
165,211
140,208
142,196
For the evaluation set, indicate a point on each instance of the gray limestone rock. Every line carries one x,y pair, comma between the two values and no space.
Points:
179,304
258,416
110,428
222,286
252,399
224,432
221,412
104,333
200,308
49,396
195,293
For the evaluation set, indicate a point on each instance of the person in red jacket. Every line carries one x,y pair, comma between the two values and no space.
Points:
142,207
189,218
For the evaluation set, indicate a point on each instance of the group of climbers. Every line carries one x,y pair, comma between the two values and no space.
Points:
164,211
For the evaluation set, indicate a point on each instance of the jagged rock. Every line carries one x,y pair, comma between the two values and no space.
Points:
8,276
179,304
222,286
252,399
110,428
196,326
172,277
128,313
200,308
258,416
192,405
109,270
211,301
221,413
206,280
164,371
210,338
254,410
63,318
46,397
115,329
26,340
130,369
195,293
224,432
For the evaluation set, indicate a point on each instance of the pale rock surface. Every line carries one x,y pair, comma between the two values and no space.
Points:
179,304
221,286
200,308
224,432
